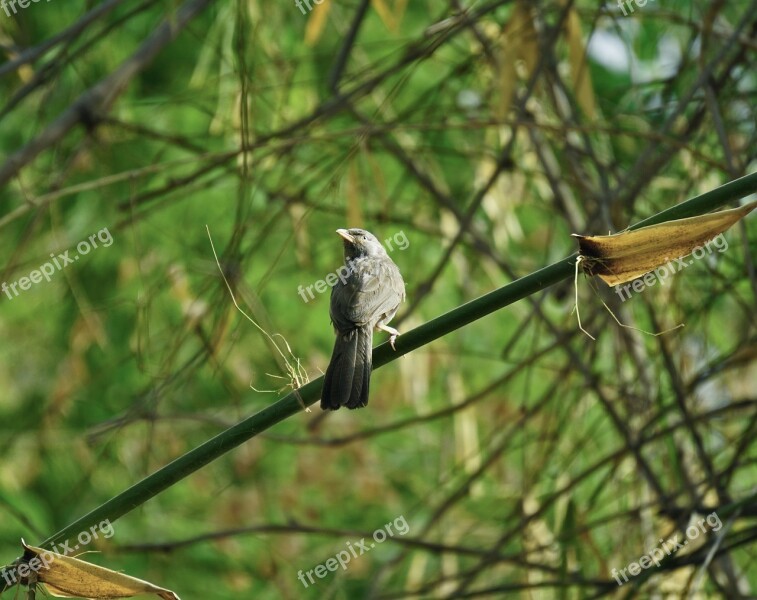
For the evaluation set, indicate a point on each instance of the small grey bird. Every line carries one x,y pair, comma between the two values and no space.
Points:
366,297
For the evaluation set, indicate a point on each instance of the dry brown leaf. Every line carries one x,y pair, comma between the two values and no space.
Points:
391,18
399,11
68,577
354,194
518,42
579,68
627,255
316,23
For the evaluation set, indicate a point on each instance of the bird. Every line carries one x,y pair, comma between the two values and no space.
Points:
366,296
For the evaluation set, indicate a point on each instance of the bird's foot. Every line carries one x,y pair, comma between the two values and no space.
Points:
392,332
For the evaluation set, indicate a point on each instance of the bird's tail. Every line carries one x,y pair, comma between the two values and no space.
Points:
349,373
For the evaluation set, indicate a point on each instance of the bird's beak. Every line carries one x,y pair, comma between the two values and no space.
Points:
346,235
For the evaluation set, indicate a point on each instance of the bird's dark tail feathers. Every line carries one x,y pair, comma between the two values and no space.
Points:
348,376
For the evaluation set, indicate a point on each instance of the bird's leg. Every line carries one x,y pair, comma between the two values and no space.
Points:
390,330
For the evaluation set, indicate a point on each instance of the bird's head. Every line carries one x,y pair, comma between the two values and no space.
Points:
359,242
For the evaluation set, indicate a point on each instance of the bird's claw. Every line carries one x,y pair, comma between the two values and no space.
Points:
391,341
393,333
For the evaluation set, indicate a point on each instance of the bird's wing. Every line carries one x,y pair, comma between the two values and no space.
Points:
374,288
